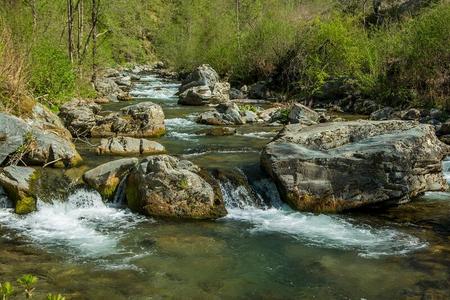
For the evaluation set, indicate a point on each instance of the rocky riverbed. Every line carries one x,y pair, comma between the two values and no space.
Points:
258,246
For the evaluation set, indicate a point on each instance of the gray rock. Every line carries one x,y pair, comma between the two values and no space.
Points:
384,113
85,119
41,117
164,186
339,166
34,145
411,114
79,116
195,96
204,75
301,114
225,114
17,182
220,92
128,145
107,177
202,86
107,87
236,94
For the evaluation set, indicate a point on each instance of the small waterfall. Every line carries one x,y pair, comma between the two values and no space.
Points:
119,196
238,192
252,198
5,202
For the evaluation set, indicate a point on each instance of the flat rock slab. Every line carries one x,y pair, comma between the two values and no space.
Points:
128,146
344,165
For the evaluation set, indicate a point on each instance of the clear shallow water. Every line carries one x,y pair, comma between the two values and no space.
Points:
85,249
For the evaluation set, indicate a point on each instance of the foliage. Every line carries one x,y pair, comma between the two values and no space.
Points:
28,282
418,63
52,76
6,290
248,107
13,91
55,297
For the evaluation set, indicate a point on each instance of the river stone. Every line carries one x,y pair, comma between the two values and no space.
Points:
107,87
195,96
45,119
301,114
128,145
145,119
225,114
164,186
79,116
17,182
204,75
106,177
344,165
85,119
218,131
202,86
45,147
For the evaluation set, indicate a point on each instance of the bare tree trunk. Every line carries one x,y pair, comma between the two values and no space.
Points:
80,32
70,29
95,11
238,26
80,29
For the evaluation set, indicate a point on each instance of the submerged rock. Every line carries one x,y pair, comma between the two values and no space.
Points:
164,186
106,178
219,131
128,145
32,145
18,183
344,165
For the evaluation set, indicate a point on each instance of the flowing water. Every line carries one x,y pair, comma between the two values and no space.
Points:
86,249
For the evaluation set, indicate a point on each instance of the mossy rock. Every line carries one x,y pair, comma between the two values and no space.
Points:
18,183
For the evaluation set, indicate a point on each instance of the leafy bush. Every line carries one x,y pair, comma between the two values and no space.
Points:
417,68
52,76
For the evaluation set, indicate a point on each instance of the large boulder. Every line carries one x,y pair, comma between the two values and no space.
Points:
107,87
45,119
344,165
107,177
32,145
86,119
128,145
164,186
204,75
18,184
79,116
202,86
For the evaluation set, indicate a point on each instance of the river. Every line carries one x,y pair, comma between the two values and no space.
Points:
85,249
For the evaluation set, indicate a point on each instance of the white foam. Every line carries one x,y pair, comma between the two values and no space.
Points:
327,231
83,225
181,123
258,135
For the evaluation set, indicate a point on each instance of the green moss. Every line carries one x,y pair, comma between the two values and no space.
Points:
25,205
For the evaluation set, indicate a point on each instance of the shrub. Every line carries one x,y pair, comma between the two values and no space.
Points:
417,68
14,97
52,77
